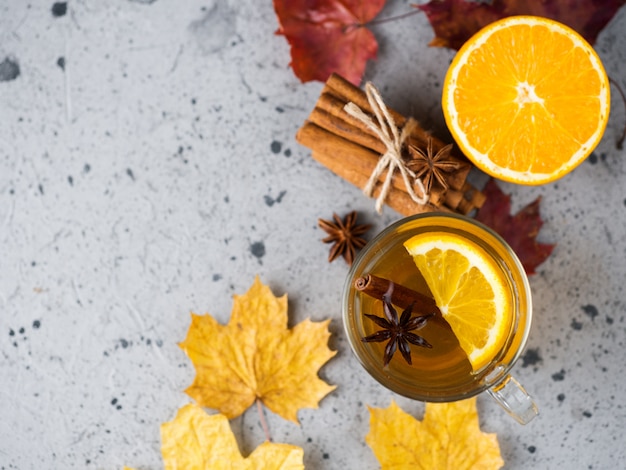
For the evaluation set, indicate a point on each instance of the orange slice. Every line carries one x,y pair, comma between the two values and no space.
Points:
469,289
526,99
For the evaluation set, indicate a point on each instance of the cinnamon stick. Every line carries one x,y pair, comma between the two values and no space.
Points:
356,163
399,201
329,114
399,295
352,150
346,157
344,128
476,197
342,88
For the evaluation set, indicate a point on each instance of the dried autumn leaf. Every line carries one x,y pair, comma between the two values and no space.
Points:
328,36
255,356
520,231
195,440
448,438
455,21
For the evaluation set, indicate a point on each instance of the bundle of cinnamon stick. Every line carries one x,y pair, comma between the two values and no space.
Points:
351,150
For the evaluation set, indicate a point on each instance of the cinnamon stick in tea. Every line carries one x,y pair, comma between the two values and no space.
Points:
399,295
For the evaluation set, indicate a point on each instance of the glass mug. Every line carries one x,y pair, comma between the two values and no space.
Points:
441,373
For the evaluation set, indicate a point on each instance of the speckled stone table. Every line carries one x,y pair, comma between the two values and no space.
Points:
148,169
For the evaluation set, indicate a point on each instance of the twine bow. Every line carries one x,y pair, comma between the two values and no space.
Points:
389,134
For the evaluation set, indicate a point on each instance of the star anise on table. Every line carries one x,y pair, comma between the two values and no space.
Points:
399,332
431,167
345,236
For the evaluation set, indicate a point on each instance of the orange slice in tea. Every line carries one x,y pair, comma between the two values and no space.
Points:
526,99
469,289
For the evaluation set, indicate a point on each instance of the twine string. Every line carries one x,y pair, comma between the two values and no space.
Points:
393,139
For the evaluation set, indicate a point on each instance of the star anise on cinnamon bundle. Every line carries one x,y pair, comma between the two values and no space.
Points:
399,332
432,167
345,235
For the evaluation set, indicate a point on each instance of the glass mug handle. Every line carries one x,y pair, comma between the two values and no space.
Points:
514,399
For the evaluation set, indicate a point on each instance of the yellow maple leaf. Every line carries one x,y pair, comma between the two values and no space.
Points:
194,440
448,438
255,356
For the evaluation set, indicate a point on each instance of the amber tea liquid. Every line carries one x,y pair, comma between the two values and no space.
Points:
442,373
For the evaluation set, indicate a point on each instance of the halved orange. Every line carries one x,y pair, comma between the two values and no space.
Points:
469,289
526,99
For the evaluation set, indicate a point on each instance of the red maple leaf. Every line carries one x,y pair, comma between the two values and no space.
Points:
520,231
328,36
455,21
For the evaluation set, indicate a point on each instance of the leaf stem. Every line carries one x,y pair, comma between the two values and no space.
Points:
620,141
263,420
393,18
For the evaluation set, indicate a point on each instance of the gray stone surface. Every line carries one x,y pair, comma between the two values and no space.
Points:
148,168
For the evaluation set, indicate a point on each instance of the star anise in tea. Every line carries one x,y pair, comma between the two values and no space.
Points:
345,235
432,167
398,331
